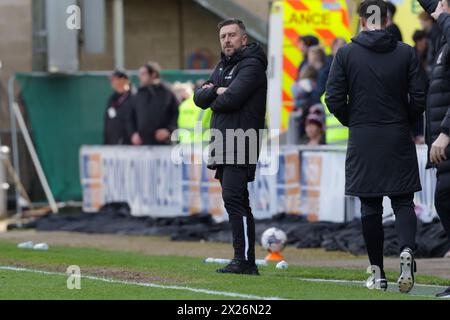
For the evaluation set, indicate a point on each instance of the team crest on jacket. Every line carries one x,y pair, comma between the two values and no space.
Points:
230,75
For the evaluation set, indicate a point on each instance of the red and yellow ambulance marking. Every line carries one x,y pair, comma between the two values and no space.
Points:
325,19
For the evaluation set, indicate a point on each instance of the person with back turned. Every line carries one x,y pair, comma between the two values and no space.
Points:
377,89
236,93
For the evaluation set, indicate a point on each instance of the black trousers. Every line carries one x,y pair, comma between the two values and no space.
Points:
372,224
234,182
442,200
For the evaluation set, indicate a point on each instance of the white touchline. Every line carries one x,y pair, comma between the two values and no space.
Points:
206,291
362,283
150,285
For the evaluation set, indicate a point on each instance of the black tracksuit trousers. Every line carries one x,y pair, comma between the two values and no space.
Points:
442,200
372,225
234,182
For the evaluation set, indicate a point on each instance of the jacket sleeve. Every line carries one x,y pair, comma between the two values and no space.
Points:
445,126
173,112
203,98
429,5
249,77
444,24
130,118
337,91
417,88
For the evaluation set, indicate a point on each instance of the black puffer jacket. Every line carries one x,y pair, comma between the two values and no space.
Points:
242,106
377,88
438,101
435,43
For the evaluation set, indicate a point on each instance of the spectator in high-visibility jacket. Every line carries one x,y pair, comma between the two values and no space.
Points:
193,122
335,132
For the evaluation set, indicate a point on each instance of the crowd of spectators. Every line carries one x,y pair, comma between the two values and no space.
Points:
147,115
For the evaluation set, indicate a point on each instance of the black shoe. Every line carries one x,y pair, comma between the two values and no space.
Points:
407,269
240,267
445,294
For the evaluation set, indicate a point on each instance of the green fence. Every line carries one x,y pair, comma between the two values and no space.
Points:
65,112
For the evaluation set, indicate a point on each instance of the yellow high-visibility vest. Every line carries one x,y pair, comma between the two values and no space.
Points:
191,116
336,133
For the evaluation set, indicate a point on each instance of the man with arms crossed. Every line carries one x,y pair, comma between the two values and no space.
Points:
236,93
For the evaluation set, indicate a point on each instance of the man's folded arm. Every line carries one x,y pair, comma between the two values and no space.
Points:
204,97
247,80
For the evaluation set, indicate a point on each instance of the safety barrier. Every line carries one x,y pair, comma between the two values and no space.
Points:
308,182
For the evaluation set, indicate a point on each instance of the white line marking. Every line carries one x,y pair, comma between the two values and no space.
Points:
149,285
362,282
205,291
391,285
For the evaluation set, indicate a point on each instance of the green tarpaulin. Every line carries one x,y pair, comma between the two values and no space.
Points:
65,112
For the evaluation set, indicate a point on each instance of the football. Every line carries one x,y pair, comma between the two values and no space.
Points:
274,240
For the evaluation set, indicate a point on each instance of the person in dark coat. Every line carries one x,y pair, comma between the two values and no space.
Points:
236,93
377,89
154,115
438,115
117,109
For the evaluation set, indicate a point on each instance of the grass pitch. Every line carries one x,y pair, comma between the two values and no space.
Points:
29,274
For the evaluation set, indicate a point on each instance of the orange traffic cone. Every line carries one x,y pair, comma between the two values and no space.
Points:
274,256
